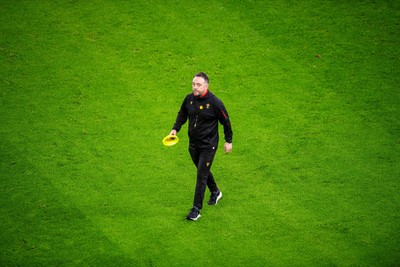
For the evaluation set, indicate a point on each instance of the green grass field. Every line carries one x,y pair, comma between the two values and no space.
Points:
88,89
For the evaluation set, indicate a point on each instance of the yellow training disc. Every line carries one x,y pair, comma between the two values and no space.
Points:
170,140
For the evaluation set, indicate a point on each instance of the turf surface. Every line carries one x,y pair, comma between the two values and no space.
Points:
88,89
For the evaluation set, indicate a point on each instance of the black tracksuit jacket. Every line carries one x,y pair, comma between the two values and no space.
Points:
204,113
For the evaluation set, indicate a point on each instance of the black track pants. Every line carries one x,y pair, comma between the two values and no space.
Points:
203,160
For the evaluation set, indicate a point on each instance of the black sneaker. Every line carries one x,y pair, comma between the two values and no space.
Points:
214,198
194,214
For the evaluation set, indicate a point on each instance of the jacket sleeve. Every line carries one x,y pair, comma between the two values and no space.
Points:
223,118
182,116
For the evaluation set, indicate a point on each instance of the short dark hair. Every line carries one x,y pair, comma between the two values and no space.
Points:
202,75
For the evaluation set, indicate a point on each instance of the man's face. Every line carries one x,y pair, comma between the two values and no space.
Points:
199,86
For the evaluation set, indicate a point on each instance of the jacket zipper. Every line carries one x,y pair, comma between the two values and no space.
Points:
195,122
197,113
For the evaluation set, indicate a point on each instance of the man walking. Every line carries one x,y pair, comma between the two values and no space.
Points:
204,111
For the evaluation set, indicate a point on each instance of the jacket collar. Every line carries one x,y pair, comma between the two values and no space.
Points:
204,95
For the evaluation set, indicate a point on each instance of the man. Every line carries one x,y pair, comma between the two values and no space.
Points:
204,111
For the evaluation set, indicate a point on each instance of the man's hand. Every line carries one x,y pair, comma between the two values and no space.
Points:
173,132
228,148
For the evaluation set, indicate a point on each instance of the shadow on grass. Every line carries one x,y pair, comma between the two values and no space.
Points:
41,226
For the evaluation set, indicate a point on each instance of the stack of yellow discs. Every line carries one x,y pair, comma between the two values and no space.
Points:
170,140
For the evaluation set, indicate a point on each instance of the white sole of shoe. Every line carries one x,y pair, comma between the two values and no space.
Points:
218,197
194,219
